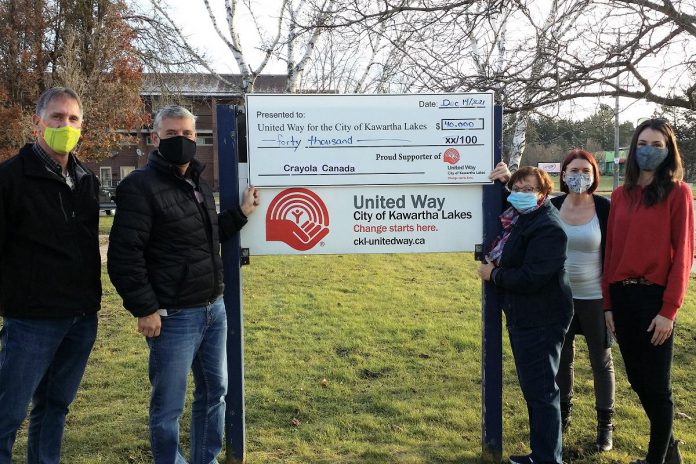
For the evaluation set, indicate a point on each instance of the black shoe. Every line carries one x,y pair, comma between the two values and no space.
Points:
520,459
673,455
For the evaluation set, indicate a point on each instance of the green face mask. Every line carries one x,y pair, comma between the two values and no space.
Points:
63,139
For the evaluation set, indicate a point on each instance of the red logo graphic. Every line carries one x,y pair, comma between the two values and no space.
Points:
451,156
298,217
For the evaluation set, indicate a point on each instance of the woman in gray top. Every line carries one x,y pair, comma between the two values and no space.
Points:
584,218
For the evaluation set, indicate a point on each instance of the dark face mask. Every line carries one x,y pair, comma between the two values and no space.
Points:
177,150
649,157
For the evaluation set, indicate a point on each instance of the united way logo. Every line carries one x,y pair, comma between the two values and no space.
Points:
451,156
298,217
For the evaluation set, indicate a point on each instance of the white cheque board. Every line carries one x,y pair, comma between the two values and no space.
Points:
317,140
372,219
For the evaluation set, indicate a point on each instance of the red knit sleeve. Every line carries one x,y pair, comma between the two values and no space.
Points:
682,241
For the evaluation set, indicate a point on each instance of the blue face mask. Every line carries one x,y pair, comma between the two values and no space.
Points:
649,157
523,202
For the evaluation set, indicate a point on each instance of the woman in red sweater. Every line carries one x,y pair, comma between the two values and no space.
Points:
647,262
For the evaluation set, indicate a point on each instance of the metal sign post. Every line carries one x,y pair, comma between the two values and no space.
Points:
228,158
491,343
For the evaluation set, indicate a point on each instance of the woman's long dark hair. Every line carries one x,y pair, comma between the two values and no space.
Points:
667,174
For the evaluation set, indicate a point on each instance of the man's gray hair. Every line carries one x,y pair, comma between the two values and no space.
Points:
56,92
172,112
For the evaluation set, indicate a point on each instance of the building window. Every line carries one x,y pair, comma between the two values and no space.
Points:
105,176
204,140
200,140
125,170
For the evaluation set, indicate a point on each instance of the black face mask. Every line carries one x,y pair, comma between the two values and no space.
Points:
177,150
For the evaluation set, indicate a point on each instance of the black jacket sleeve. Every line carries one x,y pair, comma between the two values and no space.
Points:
3,218
544,255
3,221
128,242
230,221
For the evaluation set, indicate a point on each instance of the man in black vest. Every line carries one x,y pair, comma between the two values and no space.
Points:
50,277
164,261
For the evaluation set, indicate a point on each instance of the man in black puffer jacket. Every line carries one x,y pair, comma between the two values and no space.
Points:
164,261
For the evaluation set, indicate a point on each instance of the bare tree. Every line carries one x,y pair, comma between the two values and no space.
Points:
558,23
537,54
285,41
169,36
658,35
358,60
534,54
368,13
554,51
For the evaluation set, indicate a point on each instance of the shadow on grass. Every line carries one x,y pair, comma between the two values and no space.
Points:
428,454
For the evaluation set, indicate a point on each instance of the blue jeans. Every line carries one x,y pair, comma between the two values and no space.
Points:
537,353
42,361
190,339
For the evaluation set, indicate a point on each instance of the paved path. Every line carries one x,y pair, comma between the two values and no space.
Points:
103,246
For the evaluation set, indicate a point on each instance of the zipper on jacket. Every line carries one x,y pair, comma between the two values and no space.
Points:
203,211
209,232
62,207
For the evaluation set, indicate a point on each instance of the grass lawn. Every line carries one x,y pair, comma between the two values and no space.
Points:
606,184
105,223
398,339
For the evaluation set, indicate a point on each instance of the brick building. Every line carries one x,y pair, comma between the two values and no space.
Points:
200,93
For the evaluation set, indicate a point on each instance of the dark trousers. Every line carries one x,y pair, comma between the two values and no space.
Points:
537,353
589,320
648,367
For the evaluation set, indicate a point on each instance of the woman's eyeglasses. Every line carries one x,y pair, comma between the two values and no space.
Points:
523,189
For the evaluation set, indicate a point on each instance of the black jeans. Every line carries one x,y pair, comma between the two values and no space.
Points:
589,320
648,367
